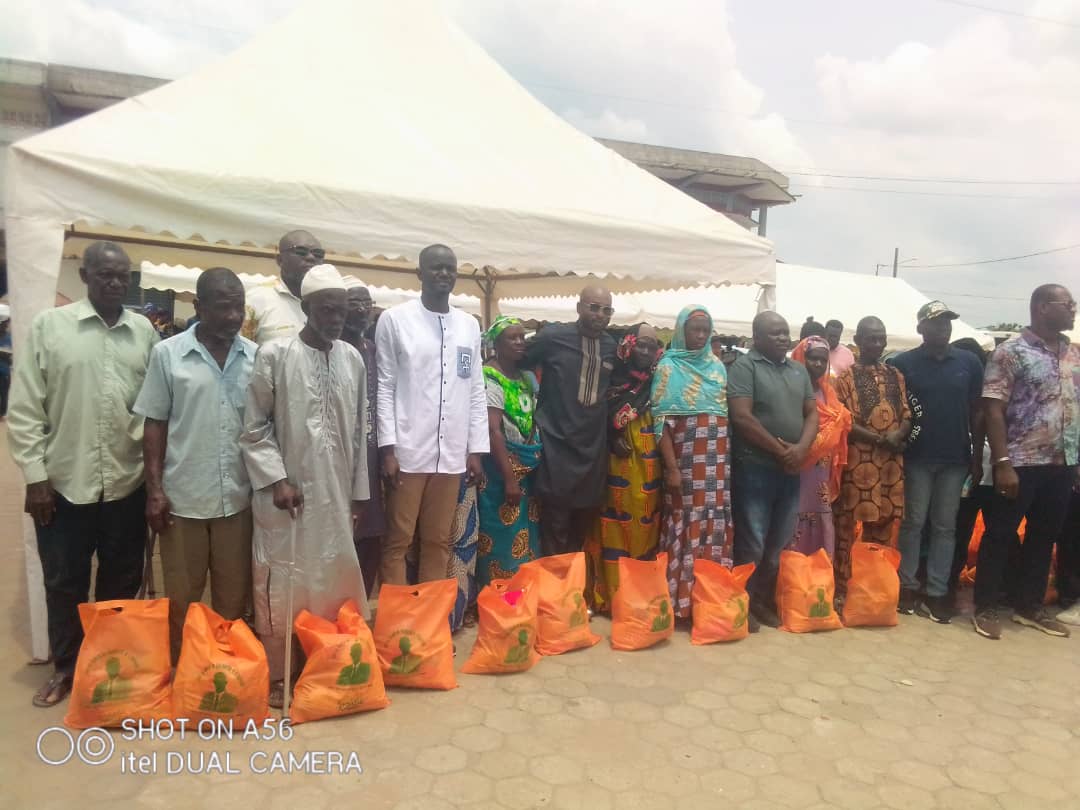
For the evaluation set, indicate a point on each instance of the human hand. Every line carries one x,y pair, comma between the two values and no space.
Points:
1006,481
621,448
673,480
474,469
391,470
40,502
512,493
158,510
288,497
358,513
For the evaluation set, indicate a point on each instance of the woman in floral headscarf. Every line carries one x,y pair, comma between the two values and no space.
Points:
509,516
689,402
629,526
819,483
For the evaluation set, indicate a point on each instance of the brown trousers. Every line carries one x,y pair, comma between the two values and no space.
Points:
189,549
424,502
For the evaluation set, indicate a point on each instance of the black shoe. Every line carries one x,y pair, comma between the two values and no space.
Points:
936,609
908,598
764,614
1041,619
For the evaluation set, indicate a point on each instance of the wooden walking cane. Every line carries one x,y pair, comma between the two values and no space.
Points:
287,694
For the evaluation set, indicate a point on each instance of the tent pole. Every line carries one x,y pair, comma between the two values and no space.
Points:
487,287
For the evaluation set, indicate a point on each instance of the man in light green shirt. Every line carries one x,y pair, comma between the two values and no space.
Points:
73,433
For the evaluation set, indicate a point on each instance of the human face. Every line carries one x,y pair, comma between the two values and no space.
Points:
936,332
221,314
871,342
833,334
326,312
438,272
510,345
360,305
696,331
1060,311
817,363
773,338
107,280
299,254
643,355
594,312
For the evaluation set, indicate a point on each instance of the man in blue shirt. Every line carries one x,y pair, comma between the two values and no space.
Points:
198,496
945,385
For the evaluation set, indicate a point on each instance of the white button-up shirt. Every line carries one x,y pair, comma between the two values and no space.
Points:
204,473
272,312
431,402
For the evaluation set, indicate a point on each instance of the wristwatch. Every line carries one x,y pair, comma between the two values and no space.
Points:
1002,460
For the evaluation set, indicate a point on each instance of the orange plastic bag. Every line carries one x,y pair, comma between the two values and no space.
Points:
641,614
873,590
412,634
804,592
124,664
342,674
507,626
719,602
222,673
562,616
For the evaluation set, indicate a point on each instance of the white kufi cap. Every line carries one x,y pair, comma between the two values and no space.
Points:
321,277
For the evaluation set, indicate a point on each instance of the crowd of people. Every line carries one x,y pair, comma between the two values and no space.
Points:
286,443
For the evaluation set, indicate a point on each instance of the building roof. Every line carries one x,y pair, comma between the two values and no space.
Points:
756,181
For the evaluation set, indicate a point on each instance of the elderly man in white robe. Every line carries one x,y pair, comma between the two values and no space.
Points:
304,446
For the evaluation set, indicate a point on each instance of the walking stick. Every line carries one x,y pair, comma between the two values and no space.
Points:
287,695
146,589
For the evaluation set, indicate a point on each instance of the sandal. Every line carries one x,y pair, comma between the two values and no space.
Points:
53,691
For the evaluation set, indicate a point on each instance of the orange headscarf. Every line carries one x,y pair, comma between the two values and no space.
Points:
834,421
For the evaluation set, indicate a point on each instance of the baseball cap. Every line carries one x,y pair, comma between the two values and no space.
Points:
935,309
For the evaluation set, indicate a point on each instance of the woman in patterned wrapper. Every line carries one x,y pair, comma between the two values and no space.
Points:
629,525
689,403
509,514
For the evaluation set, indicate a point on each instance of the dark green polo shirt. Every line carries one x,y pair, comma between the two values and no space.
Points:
778,391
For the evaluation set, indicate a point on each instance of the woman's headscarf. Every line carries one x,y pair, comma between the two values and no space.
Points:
629,389
498,326
688,382
834,420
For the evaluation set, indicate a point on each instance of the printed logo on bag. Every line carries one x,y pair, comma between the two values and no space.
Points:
573,604
740,606
407,663
358,673
219,700
113,685
523,643
819,608
464,362
660,610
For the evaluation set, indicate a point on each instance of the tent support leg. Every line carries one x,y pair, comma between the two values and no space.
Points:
486,283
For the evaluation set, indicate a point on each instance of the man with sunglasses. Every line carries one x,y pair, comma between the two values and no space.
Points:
1031,399
274,312
575,362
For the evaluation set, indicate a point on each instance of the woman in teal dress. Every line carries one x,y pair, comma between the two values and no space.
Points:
509,515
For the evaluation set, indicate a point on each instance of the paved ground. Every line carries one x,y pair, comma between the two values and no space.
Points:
920,716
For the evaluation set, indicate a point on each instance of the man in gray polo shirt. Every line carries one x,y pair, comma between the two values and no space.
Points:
774,416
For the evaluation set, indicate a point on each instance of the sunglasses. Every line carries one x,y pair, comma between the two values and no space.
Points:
303,252
609,311
1066,304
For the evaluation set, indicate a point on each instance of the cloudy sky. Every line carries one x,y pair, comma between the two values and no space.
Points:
828,91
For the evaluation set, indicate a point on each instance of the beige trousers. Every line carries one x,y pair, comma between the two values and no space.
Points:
424,502
190,549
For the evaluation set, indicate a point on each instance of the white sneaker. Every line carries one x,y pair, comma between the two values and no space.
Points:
1070,616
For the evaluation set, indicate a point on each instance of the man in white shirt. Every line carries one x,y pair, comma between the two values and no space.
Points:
432,416
274,312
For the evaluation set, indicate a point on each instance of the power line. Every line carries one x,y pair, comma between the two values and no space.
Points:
899,179
810,187
1011,13
947,294
993,261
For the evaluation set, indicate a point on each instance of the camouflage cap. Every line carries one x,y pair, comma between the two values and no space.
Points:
935,309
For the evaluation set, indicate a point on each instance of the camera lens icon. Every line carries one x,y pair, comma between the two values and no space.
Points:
94,746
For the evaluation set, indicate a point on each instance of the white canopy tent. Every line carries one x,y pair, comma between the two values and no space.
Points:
383,130
395,131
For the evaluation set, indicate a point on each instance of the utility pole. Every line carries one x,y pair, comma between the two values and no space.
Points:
895,260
